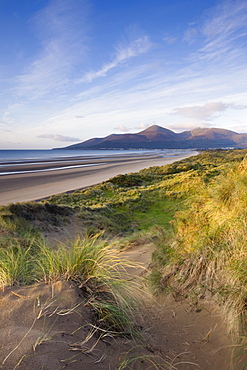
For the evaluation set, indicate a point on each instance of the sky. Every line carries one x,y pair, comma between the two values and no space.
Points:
71,70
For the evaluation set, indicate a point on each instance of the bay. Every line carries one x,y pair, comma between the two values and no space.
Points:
14,162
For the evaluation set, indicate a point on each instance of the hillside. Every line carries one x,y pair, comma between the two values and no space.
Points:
157,137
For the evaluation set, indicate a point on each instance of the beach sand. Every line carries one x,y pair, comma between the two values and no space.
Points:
37,185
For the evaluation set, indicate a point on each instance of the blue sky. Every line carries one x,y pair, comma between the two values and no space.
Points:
75,69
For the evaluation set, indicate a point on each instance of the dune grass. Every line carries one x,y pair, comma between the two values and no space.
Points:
16,266
94,266
91,264
207,255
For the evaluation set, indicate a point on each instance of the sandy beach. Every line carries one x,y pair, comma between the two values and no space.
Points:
27,185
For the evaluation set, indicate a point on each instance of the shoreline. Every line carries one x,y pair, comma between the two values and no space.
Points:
41,180
42,165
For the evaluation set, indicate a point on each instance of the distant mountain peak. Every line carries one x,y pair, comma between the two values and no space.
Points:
156,129
157,137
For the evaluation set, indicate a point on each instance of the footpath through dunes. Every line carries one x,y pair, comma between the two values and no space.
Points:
35,181
185,335
51,326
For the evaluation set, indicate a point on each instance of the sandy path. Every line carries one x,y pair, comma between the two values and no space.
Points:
180,333
32,186
186,336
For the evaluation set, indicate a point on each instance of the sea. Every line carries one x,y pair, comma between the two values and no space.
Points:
7,156
11,160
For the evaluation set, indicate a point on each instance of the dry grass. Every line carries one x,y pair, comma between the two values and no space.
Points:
209,252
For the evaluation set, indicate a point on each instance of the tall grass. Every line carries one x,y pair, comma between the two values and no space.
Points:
91,264
208,255
78,260
16,266
95,267
82,260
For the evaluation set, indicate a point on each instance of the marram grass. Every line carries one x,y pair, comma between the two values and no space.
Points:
90,263
16,266
82,259
208,255
98,269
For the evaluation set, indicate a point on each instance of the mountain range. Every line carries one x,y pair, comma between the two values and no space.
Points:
157,137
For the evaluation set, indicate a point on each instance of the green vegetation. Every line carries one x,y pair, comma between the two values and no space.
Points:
94,266
209,250
193,210
90,263
16,266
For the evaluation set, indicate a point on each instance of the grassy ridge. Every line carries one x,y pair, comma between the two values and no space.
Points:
207,254
194,209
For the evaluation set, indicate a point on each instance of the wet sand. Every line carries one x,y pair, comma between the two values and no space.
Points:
20,187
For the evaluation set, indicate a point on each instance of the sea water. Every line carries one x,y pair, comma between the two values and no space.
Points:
27,155
12,159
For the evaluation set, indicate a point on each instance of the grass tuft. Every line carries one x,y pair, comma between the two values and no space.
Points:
16,266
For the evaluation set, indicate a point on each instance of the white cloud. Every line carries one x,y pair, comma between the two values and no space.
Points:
170,40
15,106
62,41
225,19
122,128
122,54
57,137
3,127
143,126
207,110
225,24
190,35
189,125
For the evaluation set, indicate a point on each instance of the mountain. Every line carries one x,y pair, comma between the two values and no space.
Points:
157,137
